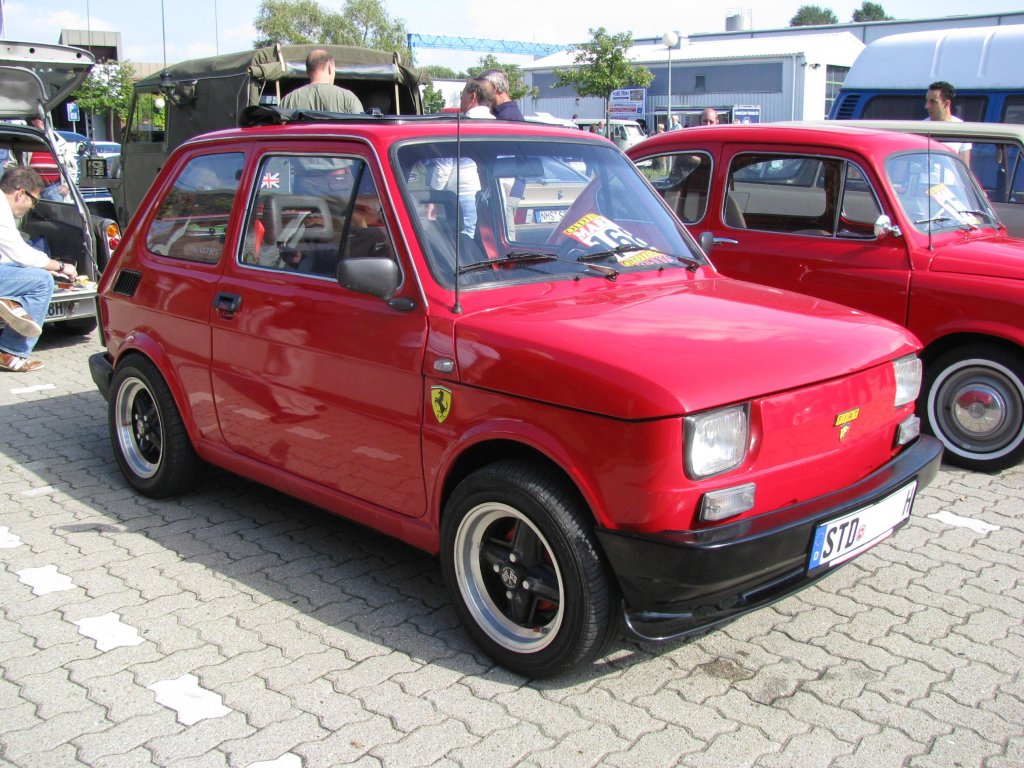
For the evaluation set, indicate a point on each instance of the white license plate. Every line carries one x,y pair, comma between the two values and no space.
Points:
56,310
846,537
549,217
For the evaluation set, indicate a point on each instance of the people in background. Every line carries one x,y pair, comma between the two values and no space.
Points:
938,103
65,155
504,108
321,94
709,117
674,124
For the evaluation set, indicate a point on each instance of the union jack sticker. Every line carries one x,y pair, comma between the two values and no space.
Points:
270,181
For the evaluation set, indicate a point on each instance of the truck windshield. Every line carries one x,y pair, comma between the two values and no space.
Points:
538,209
937,192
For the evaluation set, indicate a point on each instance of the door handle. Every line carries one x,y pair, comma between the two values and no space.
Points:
227,303
726,241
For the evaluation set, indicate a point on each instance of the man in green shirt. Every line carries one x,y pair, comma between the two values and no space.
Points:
322,95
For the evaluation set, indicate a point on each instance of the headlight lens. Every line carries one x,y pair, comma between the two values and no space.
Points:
908,379
716,441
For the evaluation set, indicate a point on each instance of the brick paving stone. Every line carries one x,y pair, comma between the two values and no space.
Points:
480,717
47,735
140,757
371,672
198,739
585,747
807,750
272,739
958,748
253,699
426,745
126,736
738,749
348,744
983,722
844,724
505,748
299,672
887,749
702,722
407,713
774,722
626,720
54,694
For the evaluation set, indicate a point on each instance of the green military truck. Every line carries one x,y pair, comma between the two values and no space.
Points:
201,95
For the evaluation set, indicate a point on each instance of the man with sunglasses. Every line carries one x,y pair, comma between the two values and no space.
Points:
26,282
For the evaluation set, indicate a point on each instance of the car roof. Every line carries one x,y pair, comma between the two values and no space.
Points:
945,128
867,141
382,131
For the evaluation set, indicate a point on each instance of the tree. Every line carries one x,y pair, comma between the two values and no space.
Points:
433,100
441,72
871,12
810,15
601,67
517,87
107,91
363,23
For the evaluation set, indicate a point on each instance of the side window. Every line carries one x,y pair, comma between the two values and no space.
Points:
146,123
683,179
860,208
311,211
780,193
993,164
192,221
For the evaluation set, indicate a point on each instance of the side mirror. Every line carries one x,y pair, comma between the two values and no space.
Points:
884,227
706,241
81,148
375,275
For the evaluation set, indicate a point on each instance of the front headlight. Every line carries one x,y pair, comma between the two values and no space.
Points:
716,441
908,379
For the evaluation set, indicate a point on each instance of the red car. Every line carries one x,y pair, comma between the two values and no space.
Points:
580,416
891,224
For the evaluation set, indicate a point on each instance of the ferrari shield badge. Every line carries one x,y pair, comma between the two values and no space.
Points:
441,402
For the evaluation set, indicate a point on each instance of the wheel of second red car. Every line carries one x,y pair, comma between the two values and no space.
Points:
973,401
149,438
525,571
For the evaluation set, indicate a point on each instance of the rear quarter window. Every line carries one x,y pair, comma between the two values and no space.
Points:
192,220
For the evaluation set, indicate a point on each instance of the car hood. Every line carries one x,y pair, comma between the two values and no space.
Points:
641,352
997,256
34,74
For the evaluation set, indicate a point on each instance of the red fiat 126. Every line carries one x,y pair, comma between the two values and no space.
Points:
493,341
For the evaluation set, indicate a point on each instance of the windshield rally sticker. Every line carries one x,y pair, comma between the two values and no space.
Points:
595,230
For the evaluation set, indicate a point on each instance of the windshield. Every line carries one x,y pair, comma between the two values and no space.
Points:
937,192
526,211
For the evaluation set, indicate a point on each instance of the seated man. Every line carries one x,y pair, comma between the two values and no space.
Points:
26,282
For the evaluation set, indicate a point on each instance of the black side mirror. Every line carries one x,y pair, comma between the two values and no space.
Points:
375,275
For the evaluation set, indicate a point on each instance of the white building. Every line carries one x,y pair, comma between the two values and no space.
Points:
794,77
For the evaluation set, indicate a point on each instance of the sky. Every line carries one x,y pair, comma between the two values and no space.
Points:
175,30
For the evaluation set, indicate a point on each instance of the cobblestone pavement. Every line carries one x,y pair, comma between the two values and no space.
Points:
236,627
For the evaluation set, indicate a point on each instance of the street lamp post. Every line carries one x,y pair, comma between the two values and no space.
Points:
671,40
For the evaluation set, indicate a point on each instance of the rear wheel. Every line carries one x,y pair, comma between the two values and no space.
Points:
522,566
149,438
973,401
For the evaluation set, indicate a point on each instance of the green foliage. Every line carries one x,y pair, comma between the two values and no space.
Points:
108,88
871,12
517,87
433,100
363,23
439,72
601,66
810,15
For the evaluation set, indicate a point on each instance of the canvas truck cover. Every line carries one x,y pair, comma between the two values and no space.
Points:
202,95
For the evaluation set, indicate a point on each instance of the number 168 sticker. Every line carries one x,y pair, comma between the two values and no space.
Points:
593,229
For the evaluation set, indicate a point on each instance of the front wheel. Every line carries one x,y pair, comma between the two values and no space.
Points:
973,401
149,438
522,566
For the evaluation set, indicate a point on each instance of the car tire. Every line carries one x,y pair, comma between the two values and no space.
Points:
150,441
527,578
973,401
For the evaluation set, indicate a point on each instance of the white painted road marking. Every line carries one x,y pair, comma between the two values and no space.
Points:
45,580
964,522
109,631
191,701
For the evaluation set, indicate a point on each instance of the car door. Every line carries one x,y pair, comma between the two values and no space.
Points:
309,378
803,221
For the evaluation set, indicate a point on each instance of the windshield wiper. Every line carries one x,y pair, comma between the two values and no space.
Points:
691,264
521,257
936,219
988,215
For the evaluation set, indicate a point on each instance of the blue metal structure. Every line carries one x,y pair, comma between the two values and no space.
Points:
482,44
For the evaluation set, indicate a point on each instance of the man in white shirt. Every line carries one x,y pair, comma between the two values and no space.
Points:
26,282
938,103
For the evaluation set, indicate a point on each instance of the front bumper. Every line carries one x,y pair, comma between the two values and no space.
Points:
683,582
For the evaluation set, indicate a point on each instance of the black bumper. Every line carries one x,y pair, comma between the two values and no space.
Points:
680,583
102,372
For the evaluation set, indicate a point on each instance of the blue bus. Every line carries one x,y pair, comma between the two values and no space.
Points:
889,79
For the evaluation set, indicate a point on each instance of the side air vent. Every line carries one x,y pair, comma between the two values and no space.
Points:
847,106
127,282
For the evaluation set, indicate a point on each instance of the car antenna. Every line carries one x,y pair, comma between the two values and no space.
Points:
457,308
928,190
